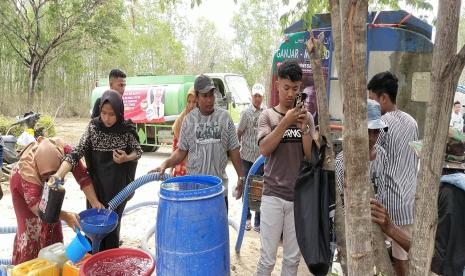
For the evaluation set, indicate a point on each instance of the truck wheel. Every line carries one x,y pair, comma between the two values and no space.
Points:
146,148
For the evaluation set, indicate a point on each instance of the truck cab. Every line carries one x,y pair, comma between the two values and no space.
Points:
233,93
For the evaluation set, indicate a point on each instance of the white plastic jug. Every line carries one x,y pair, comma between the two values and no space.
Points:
55,253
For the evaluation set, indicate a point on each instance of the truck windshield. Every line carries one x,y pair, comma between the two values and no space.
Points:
239,89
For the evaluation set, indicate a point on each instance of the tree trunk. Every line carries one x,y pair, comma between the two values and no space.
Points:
31,87
382,260
339,219
353,16
340,226
445,72
313,48
336,34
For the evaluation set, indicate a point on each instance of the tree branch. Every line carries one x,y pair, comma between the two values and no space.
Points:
23,7
74,21
23,58
454,66
11,30
42,3
20,14
458,61
37,24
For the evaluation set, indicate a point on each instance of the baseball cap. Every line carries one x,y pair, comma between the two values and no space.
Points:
203,84
374,116
455,147
258,89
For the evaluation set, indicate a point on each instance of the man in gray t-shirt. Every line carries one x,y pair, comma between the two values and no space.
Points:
247,134
285,138
207,137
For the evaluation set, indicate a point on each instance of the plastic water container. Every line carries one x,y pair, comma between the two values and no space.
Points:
55,253
3,271
192,236
71,269
36,267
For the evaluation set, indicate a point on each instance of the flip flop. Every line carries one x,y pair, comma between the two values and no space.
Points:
248,226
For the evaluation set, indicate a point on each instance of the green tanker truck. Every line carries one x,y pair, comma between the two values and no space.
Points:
154,102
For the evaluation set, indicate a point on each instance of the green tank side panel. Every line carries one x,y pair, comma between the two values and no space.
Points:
145,80
96,93
175,98
183,101
177,87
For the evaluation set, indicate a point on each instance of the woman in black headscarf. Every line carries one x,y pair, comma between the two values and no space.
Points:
111,150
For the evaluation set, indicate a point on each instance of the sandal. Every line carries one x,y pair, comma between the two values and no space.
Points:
248,225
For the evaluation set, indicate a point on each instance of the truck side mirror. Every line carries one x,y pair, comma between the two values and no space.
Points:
229,99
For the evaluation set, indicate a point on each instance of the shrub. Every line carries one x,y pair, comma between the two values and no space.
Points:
48,124
5,124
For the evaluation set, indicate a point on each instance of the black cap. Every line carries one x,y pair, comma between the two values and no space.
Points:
203,84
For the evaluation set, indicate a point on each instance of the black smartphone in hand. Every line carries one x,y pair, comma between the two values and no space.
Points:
300,99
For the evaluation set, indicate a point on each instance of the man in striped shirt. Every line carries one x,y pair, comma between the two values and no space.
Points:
401,172
247,134
207,136
378,160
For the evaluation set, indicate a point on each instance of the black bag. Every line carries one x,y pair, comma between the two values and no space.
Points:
313,196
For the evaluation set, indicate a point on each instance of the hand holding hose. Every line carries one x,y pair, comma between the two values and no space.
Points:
160,169
97,205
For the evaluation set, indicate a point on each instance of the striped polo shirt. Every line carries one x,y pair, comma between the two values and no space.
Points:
248,125
402,165
377,169
207,139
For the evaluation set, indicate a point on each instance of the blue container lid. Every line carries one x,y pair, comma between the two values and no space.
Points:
191,187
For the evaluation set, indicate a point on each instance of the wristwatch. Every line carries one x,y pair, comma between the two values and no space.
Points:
306,129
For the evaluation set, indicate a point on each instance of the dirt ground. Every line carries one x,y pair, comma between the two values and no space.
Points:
135,224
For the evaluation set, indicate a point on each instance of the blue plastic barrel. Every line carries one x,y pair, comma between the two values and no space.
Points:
192,235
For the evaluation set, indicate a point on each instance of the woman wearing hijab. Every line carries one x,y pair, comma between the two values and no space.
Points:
191,102
110,147
37,162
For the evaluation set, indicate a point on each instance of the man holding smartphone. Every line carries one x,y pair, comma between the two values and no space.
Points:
285,138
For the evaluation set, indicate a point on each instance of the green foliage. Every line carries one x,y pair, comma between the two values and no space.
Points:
139,37
48,124
256,38
41,31
303,9
147,44
210,52
306,9
5,125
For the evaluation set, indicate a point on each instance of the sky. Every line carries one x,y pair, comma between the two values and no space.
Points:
221,11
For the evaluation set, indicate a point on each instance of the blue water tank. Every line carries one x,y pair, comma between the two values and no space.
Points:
192,235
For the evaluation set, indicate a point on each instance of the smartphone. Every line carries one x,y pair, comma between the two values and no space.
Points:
300,99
